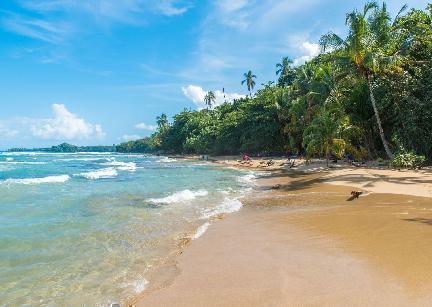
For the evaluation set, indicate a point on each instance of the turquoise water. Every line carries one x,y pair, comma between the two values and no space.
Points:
88,228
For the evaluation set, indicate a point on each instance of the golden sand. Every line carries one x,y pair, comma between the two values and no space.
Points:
306,243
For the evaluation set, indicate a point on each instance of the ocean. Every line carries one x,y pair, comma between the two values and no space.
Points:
89,228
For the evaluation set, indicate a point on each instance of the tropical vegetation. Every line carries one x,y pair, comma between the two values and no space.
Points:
367,95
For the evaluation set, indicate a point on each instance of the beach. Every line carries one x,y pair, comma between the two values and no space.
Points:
306,242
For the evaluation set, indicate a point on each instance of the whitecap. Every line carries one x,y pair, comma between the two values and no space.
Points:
100,174
229,205
48,179
166,160
9,159
22,162
182,196
94,153
123,166
82,159
248,178
201,230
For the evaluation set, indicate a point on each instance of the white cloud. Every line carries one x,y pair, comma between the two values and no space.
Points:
145,126
197,93
172,8
49,28
6,131
233,13
132,137
65,126
232,5
36,28
309,50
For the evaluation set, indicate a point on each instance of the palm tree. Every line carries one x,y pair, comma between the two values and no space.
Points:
162,121
249,80
210,99
284,71
329,133
284,66
367,50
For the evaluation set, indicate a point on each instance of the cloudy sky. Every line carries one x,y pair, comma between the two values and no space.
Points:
100,71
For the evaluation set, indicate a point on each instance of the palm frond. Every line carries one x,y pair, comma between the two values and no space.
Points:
399,14
330,41
368,7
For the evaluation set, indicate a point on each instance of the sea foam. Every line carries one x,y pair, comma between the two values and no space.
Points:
123,166
100,174
248,178
177,197
48,179
166,160
201,230
21,162
229,205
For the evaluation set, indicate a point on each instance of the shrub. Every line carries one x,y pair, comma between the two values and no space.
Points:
408,160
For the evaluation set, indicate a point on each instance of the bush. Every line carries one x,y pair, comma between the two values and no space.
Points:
408,160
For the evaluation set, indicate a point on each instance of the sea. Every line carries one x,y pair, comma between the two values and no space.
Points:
89,229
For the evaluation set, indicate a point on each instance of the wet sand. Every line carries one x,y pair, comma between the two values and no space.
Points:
306,244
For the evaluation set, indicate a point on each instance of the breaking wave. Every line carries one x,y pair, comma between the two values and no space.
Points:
182,196
48,179
100,174
123,166
229,205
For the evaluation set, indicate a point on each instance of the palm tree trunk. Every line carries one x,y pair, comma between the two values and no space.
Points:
381,131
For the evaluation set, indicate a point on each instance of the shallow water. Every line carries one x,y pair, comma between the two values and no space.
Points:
86,228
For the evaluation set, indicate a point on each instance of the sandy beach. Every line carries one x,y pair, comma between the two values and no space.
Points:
308,243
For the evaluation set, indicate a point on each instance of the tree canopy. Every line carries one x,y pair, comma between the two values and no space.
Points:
368,95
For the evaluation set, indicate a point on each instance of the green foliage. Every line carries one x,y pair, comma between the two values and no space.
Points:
65,147
407,160
249,79
363,89
139,146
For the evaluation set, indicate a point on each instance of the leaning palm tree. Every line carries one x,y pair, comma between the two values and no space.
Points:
367,50
210,99
249,80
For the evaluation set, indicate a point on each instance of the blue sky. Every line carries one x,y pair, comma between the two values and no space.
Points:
100,71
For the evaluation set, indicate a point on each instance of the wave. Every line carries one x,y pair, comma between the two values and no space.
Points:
94,153
48,179
166,160
123,166
178,197
248,178
229,205
83,159
9,159
201,230
19,162
100,174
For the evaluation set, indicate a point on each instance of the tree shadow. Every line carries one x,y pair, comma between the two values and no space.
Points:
420,220
371,181
296,180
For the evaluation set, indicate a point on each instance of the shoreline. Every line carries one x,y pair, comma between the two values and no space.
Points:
306,220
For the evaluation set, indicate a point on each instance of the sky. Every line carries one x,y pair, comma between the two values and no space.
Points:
100,71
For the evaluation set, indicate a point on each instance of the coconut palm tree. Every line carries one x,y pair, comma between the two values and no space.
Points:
162,121
210,99
284,71
249,80
367,50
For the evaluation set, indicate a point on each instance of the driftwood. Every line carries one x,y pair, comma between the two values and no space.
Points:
354,195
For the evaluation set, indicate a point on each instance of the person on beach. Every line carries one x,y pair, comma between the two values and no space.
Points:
246,157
